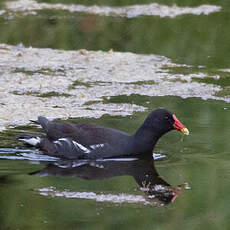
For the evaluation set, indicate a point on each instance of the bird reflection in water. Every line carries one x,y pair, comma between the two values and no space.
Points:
156,191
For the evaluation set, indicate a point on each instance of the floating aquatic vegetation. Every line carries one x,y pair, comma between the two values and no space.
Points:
41,72
153,9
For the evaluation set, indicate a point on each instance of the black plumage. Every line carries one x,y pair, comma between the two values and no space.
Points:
88,141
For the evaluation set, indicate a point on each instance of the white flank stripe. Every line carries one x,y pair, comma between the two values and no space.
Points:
97,146
81,147
66,140
57,142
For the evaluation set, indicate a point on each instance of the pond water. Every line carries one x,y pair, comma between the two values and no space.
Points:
187,185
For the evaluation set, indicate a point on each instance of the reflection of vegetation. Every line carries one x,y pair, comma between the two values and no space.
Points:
33,93
88,84
224,92
90,103
78,83
8,138
177,80
54,94
40,71
150,82
221,81
27,72
49,94
99,2
224,3
181,70
197,40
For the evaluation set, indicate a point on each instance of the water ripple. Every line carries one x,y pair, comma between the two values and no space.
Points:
24,154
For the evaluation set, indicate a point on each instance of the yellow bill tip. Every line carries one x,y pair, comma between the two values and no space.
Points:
185,131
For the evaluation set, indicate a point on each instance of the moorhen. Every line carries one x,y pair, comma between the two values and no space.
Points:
88,141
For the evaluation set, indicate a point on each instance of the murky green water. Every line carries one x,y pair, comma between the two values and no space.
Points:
190,39
201,160
110,194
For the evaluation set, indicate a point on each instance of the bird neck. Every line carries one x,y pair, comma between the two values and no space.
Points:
146,138
149,133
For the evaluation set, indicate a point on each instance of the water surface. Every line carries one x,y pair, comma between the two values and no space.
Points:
81,198
188,185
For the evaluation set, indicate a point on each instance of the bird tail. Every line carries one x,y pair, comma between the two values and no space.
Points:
30,139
